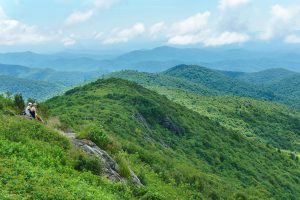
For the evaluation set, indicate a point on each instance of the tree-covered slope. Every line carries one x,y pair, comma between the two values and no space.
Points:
272,123
157,79
265,77
288,87
177,152
29,88
218,81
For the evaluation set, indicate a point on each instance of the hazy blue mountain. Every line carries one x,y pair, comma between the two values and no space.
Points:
59,62
29,88
159,59
58,77
218,58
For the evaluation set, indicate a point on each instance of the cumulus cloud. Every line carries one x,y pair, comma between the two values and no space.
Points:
282,13
13,32
208,39
226,38
192,24
103,4
69,41
232,4
95,6
78,17
283,20
292,39
124,35
199,29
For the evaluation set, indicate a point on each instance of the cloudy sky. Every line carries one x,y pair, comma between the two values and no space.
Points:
53,25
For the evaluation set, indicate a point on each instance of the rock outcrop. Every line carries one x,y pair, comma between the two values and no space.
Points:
109,164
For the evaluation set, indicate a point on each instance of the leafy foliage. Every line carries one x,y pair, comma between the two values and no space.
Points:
272,123
181,153
38,163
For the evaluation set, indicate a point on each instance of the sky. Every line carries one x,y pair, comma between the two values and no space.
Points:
55,25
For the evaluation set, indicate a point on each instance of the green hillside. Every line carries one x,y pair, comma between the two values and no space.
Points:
271,123
207,82
176,152
29,88
288,88
217,81
36,162
151,79
265,77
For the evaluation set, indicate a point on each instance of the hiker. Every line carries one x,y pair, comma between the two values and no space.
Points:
34,113
27,111
33,110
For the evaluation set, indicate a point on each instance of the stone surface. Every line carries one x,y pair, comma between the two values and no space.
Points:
110,165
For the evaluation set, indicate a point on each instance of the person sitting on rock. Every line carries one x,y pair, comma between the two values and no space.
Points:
28,110
34,113
33,110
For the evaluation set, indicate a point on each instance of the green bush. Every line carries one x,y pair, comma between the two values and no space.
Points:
95,134
19,102
86,162
152,196
123,170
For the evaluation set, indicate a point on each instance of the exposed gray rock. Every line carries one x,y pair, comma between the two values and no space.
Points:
110,166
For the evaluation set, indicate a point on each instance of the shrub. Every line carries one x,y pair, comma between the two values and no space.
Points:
87,162
152,196
19,102
123,170
95,134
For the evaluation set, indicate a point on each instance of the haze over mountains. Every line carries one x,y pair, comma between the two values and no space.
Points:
160,59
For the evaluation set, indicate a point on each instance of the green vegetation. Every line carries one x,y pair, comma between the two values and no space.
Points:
208,82
218,81
275,124
149,79
265,77
36,162
182,154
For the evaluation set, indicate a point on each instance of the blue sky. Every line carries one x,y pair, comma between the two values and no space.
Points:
54,25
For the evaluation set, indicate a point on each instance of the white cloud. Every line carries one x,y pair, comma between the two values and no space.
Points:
78,17
192,24
103,4
282,13
227,38
95,6
208,39
283,21
232,4
69,41
124,35
292,39
201,29
13,32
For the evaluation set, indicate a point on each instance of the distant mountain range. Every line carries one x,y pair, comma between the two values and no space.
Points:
159,59
67,79
29,88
